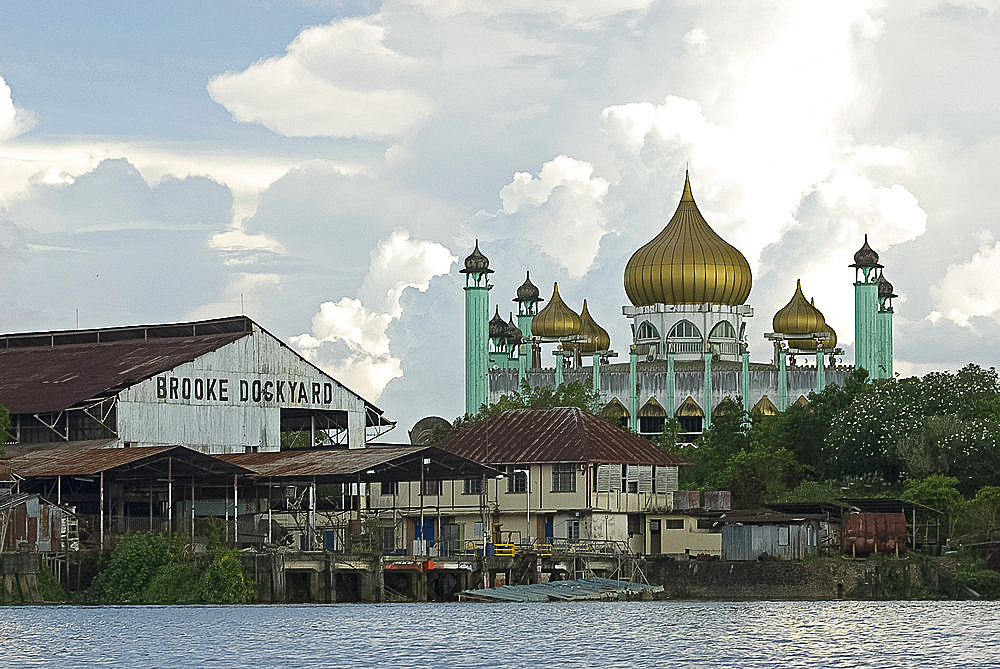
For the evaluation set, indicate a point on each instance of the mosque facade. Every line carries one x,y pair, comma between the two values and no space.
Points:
689,357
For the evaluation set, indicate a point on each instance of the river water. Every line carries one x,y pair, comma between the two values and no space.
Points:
558,636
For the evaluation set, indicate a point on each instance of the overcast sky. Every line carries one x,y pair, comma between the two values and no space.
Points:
325,167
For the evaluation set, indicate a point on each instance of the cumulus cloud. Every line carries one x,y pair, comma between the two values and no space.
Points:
338,80
13,121
969,289
560,209
351,340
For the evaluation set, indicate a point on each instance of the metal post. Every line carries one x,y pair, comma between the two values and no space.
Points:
311,517
236,513
782,379
102,510
269,488
59,490
192,510
170,496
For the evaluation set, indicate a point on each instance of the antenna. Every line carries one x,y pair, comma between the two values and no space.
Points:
243,311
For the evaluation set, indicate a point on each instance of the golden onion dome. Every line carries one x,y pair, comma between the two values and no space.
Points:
687,263
810,344
556,319
831,341
599,339
798,317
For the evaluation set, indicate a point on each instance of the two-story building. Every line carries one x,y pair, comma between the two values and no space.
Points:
569,478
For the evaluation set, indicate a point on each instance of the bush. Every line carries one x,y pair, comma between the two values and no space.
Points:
50,587
973,575
148,568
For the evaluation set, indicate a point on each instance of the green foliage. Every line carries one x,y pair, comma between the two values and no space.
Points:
939,493
759,475
565,395
150,568
174,583
131,566
972,574
667,440
224,582
50,587
980,520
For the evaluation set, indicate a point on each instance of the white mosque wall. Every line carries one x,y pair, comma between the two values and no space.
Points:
800,381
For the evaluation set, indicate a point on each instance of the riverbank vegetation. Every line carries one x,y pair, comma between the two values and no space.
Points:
151,568
933,440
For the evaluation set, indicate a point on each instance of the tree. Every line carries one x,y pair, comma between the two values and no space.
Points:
980,520
939,493
541,397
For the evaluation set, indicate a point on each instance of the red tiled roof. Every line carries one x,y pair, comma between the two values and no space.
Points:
563,434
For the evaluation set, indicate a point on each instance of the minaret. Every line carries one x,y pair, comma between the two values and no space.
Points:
866,309
883,327
527,307
477,313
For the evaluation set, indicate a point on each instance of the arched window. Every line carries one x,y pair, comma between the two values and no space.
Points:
652,416
691,418
685,329
723,330
647,331
616,412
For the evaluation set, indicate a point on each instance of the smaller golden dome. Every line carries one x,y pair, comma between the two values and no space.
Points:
599,339
556,319
798,317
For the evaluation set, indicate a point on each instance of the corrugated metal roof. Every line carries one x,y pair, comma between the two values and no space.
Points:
38,379
53,371
564,434
386,463
72,460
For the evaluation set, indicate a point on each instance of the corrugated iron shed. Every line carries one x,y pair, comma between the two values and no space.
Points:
141,462
564,434
374,463
562,591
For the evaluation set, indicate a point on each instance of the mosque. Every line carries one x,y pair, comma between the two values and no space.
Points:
689,357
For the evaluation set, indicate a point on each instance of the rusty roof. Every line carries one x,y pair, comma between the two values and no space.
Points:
57,370
85,459
564,434
373,463
52,371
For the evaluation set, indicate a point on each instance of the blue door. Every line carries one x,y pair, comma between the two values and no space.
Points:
549,529
427,532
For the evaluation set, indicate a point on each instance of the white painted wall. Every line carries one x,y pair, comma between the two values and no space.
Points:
231,398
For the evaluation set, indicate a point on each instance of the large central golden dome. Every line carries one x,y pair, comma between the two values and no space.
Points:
687,263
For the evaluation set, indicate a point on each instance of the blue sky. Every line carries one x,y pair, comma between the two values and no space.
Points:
326,166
